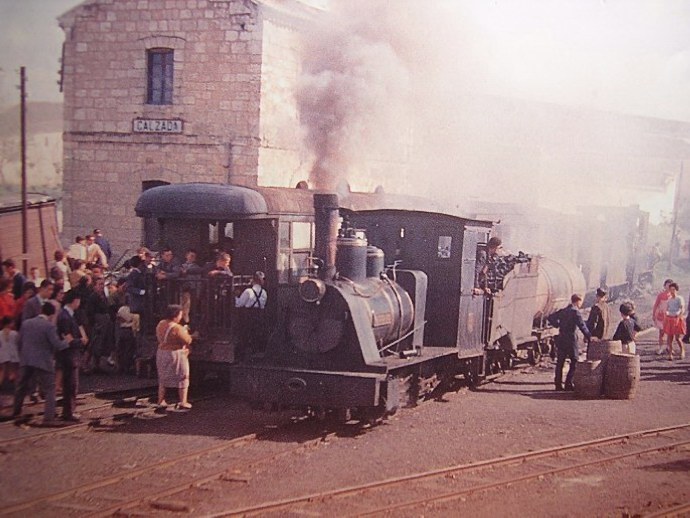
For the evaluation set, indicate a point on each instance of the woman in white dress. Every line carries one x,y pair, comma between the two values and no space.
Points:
9,353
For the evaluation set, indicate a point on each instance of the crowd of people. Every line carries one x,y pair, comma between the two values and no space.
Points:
667,313
81,319
78,319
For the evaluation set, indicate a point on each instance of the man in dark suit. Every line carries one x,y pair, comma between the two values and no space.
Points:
33,306
69,359
136,285
38,343
568,321
599,316
15,276
103,243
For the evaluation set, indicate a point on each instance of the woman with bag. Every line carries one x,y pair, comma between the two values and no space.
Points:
172,356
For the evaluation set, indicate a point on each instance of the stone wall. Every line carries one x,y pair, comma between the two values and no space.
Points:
216,94
281,163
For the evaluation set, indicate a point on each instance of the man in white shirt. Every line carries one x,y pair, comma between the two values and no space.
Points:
252,301
94,253
77,250
255,296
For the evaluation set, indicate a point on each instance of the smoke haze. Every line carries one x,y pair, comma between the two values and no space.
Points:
499,100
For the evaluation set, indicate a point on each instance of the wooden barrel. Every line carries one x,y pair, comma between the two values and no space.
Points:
622,376
588,380
602,349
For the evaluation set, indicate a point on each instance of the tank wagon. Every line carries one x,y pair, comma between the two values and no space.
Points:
372,299
608,244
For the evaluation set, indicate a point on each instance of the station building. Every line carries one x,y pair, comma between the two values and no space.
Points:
169,91
172,91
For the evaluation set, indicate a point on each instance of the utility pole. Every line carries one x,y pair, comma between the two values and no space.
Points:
676,201
25,205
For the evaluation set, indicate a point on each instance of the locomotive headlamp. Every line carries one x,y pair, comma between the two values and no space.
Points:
312,290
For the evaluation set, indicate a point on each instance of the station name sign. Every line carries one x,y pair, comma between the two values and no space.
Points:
157,126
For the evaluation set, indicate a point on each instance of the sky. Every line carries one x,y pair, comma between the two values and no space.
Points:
627,56
624,56
30,37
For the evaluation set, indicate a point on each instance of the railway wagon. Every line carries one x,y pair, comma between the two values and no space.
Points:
608,244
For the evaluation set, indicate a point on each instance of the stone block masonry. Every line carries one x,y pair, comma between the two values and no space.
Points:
220,70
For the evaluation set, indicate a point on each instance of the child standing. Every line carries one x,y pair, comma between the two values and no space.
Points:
627,329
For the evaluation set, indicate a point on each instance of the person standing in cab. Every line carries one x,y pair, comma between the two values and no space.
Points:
221,266
485,258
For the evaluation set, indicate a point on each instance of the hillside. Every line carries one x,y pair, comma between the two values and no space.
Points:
44,146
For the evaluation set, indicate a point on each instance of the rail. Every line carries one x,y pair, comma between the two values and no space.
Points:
298,504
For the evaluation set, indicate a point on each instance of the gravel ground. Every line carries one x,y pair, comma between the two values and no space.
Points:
518,412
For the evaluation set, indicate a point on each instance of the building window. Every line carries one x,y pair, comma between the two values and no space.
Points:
160,76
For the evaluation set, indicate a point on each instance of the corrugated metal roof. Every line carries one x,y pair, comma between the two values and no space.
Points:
10,202
219,202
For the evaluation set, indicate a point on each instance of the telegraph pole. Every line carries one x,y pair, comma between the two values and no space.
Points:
676,201
25,205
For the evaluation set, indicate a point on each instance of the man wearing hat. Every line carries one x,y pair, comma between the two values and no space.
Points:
103,243
599,316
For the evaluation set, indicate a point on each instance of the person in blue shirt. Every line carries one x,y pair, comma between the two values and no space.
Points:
568,320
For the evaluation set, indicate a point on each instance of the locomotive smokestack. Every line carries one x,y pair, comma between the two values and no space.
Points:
326,218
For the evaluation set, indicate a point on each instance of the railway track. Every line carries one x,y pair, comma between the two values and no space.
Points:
393,496
92,407
148,484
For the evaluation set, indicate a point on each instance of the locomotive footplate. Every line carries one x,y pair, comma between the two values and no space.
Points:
294,388
298,387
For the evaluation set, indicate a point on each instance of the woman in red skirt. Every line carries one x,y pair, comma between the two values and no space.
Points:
674,325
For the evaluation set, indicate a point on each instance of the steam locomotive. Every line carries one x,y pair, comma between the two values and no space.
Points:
372,298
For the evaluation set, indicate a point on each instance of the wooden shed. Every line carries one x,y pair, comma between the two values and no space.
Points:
42,231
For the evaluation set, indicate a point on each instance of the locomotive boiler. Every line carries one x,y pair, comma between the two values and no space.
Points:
351,281
336,335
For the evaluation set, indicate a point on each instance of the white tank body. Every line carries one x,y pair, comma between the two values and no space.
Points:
556,282
532,291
